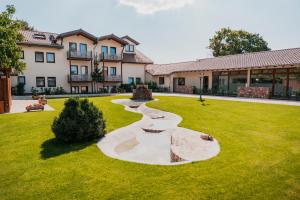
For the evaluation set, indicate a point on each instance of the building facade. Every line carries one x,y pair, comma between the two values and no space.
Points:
269,74
79,62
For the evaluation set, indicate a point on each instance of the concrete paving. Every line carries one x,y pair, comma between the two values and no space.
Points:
133,143
18,106
242,99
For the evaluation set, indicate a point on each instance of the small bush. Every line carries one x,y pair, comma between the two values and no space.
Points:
79,121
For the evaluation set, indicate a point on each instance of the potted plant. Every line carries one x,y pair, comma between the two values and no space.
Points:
35,95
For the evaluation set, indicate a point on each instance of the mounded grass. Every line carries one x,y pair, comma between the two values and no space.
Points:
259,158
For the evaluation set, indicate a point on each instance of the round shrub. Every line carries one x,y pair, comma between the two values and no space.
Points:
79,121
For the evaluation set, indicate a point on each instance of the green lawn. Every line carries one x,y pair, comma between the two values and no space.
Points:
259,158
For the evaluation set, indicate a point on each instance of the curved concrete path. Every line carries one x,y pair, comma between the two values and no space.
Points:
156,139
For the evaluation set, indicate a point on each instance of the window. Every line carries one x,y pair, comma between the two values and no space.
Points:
113,51
130,80
83,49
112,71
75,89
72,46
50,57
51,81
129,48
161,80
74,69
39,36
138,80
39,56
84,89
181,81
21,80
104,50
40,81
22,54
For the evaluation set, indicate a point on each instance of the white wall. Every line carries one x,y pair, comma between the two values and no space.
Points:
133,70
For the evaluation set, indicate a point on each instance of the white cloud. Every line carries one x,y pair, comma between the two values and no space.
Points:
152,6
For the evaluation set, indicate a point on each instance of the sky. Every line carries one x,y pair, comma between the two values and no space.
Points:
169,30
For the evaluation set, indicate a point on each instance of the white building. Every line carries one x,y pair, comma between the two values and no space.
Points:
69,59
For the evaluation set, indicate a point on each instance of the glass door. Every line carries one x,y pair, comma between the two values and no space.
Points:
104,51
83,49
84,70
280,86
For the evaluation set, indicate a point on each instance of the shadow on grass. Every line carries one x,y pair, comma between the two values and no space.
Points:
52,148
203,102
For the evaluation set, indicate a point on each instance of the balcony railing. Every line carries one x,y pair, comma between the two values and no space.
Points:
110,57
113,78
79,78
80,55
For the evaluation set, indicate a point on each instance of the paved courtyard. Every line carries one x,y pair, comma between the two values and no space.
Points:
18,106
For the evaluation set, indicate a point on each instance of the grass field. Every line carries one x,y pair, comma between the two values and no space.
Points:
259,158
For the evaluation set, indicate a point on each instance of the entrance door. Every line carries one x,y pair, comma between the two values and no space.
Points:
175,83
205,84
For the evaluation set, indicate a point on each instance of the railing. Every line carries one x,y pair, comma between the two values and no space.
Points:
79,78
113,78
80,55
112,57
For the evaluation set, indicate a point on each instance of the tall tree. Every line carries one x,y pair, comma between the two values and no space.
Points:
229,42
10,52
25,25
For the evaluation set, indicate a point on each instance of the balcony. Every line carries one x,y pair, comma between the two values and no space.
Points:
77,55
79,78
113,78
110,57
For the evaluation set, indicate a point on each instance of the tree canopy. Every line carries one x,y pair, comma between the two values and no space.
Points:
25,25
229,42
10,52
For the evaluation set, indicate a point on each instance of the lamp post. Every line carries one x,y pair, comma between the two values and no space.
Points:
200,91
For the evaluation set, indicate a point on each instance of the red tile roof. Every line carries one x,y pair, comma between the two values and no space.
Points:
239,61
138,57
29,39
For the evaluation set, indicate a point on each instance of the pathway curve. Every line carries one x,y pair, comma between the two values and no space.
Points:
156,139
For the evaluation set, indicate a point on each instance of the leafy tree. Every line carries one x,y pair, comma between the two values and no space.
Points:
80,121
10,52
229,42
25,25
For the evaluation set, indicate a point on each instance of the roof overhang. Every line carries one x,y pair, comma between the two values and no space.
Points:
78,32
130,39
29,44
113,37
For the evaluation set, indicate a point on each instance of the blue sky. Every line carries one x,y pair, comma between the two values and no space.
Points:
168,30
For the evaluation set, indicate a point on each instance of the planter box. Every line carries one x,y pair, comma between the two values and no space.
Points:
254,92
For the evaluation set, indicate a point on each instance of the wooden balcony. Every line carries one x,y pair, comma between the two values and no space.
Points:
113,78
79,78
77,55
110,57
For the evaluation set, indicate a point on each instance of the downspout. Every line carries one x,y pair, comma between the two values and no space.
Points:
93,61
122,65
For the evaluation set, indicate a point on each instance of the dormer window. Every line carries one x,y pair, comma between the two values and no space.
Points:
129,48
39,36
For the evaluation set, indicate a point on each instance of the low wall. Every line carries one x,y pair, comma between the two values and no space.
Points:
254,92
184,89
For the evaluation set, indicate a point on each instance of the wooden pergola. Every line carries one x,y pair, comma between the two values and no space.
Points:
5,91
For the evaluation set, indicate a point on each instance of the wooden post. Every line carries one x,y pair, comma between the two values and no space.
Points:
5,92
248,78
